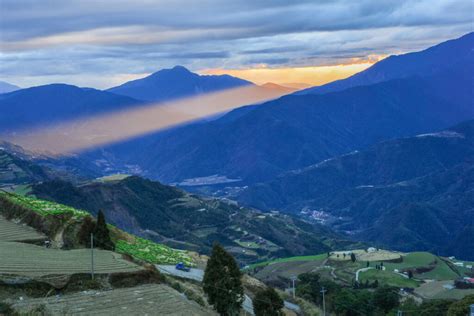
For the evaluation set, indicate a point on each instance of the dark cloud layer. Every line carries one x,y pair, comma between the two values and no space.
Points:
78,40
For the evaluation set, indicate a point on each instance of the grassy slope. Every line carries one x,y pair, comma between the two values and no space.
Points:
387,278
128,244
290,259
422,259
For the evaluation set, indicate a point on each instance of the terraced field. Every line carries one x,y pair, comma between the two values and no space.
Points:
387,278
42,207
35,261
151,299
319,257
10,231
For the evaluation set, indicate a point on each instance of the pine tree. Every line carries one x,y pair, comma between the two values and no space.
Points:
222,282
102,234
267,303
87,228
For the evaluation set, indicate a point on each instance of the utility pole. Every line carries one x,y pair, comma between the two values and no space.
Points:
92,256
323,290
293,279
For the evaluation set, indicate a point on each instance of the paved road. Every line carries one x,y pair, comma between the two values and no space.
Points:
362,270
193,274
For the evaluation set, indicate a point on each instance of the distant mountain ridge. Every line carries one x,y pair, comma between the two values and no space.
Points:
418,186
6,87
423,63
174,83
257,143
55,103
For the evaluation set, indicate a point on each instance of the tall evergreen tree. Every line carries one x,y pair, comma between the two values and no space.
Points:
222,282
102,234
267,303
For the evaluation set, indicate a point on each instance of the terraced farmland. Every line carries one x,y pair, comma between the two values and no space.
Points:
35,261
152,252
10,231
152,299
42,207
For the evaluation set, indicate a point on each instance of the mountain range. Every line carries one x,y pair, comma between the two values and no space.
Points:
421,187
372,151
56,103
423,63
257,143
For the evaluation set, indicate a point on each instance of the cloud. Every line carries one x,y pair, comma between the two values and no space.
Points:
79,39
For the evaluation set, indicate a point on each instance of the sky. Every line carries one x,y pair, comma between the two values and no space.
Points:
101,43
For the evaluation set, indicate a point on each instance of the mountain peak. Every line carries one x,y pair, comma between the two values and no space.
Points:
174,83
6,87
176,69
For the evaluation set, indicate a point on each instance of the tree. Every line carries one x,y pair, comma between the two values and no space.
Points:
368,264
386,298
353,302
222,282
410,274
375,284
461,307
102,234
435,308
87,228
267,303
353,257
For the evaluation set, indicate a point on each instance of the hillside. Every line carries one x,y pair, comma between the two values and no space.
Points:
55,281
19,167
419,186
171,216
423,63
174,83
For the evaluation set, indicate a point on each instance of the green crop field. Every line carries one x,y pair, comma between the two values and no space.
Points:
30,260
139,248
42,207
423,259
289,259
387,278
10,231
113,177
152,252
149,299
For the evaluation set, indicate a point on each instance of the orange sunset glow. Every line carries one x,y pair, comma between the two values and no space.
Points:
311,76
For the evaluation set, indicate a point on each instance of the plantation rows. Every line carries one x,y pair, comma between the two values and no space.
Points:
43,207
152,252
10,231
31,260
151,299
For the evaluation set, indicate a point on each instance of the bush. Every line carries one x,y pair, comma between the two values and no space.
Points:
267,303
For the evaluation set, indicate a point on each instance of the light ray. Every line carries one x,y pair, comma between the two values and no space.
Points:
77,135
